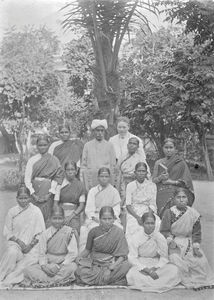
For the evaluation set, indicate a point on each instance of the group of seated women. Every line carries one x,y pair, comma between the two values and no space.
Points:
140,232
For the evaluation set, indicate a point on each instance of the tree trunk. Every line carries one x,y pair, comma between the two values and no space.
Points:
108,100
9,140
206,158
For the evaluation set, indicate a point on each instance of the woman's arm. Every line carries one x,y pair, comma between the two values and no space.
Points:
159,178
116,263
84,253
165,227
28,175
43,249
72,251
132,212
90,204
196,232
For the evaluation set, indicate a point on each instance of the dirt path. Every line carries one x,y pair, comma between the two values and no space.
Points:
204,203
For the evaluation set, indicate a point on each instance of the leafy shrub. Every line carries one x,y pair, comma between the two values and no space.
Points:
11,179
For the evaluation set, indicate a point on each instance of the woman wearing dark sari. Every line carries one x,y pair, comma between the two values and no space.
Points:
71,196
171,172
43,176
104,260
67,149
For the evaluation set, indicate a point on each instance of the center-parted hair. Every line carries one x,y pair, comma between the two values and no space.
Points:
180,189
43,137
105,209
134,138
104,170
58,210
70,163
141,164
64,125
170,140
147,215
22,189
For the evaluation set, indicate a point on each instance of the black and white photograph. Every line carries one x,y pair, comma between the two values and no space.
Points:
106,149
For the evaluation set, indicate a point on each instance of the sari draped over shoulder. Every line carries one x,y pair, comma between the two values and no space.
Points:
97,198
141,197
126,171
58,250
46,170
148,251
70,150
107,248
71,194
105,197
25,225
48,167
184,228
177,170
57,244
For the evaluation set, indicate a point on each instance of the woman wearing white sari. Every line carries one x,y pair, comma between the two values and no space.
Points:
148,253
140,198
24,223
127,166
101,195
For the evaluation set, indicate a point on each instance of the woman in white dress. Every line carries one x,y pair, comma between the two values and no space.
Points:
120,140
140,198
148,254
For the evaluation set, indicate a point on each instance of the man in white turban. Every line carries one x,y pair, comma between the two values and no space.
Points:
97,153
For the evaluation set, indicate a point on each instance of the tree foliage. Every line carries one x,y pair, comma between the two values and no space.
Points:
169,87
106,23
198,17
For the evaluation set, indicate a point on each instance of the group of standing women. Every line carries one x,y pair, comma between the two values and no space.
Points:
93,214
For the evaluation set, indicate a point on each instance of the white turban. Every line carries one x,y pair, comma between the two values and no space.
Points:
95,123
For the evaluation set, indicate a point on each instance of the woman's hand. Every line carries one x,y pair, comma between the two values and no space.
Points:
163,177
13,239
46,270
21,244
112,267
139,220
95,220
35,197
197,253
27,249
106,275
145,271
172,244
170,181
153,274
51,269
77,260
